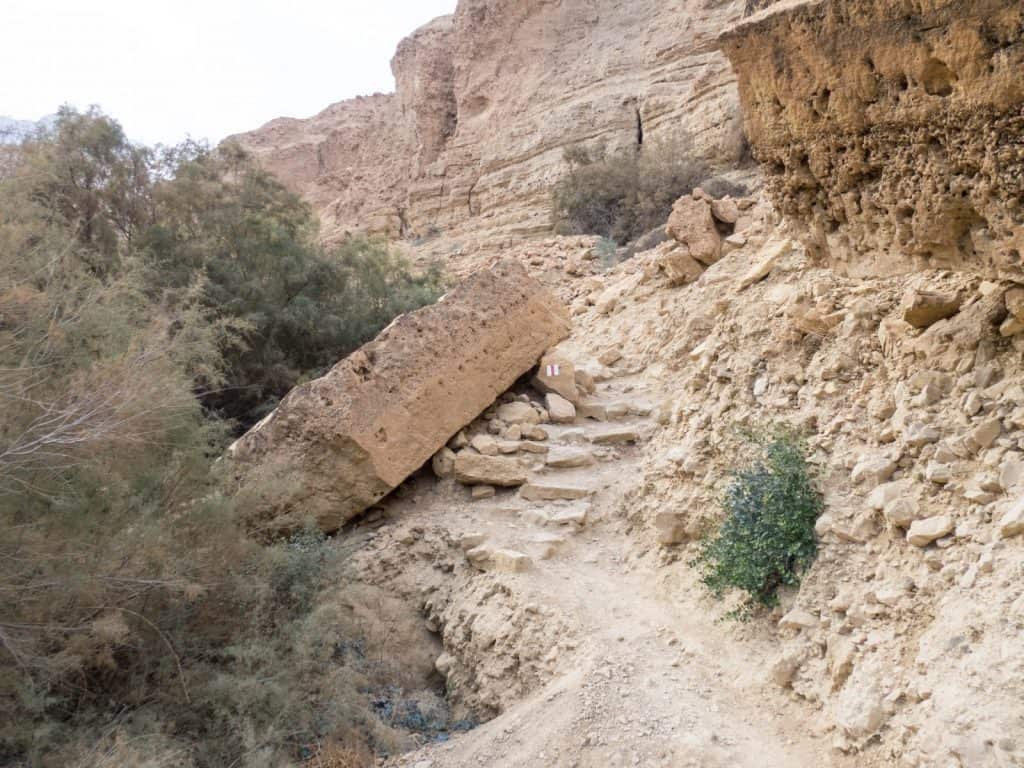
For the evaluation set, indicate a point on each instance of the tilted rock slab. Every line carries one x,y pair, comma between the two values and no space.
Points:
339,444
891,130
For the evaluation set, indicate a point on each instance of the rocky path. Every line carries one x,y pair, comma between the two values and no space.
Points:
653,681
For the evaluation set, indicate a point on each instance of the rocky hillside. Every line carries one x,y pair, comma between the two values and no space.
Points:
488,100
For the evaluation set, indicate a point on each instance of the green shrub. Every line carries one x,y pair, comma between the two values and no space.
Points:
767,538
136,618
628,193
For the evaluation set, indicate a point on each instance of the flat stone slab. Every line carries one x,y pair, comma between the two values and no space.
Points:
547,492
615,436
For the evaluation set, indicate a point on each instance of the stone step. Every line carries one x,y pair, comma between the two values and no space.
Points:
616,436
540,491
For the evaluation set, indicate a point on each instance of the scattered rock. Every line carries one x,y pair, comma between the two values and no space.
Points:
922,309
615,436
519,413
510,561
480,492
1012,522
443,462
770,257
560,410
550,492
924,532
485,444
799,619
569,458
691,224
557,375
476,469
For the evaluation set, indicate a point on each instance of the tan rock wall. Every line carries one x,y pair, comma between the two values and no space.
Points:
892,130
338,444
488,99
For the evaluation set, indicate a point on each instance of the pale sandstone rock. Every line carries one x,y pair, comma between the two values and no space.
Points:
924,308
678,265
480,492
560,409
569,458
834,92
983,435
886,493
485,444
443,462
902,512
613,436
691,224
519,413
671,528
761,270
510,561
477,469
535,491
340,443
557,375
799,619
1012,522
725,210
874,469
859,712
924,532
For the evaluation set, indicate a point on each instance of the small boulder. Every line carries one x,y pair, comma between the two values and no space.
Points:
510,561
725,210
518,413
485,444
799,619
902,512
692,224
671,528
557,375
924,532
1012,522
884,494
678,265
560,409
443,462
875,469
476,469
922,309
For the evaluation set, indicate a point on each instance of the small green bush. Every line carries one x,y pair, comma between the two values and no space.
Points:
767,538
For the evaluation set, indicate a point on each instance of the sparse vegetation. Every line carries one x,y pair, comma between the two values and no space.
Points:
151,302
623,195
767,538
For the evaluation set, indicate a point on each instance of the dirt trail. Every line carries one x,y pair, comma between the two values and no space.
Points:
654,681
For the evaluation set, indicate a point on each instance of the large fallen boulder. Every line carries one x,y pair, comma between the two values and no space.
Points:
338,444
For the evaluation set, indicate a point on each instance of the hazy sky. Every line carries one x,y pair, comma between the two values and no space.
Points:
171,68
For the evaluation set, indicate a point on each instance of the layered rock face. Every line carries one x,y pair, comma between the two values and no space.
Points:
337,445
487,101
893,130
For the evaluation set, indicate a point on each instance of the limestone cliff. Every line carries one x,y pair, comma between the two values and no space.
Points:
488,99
891,130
